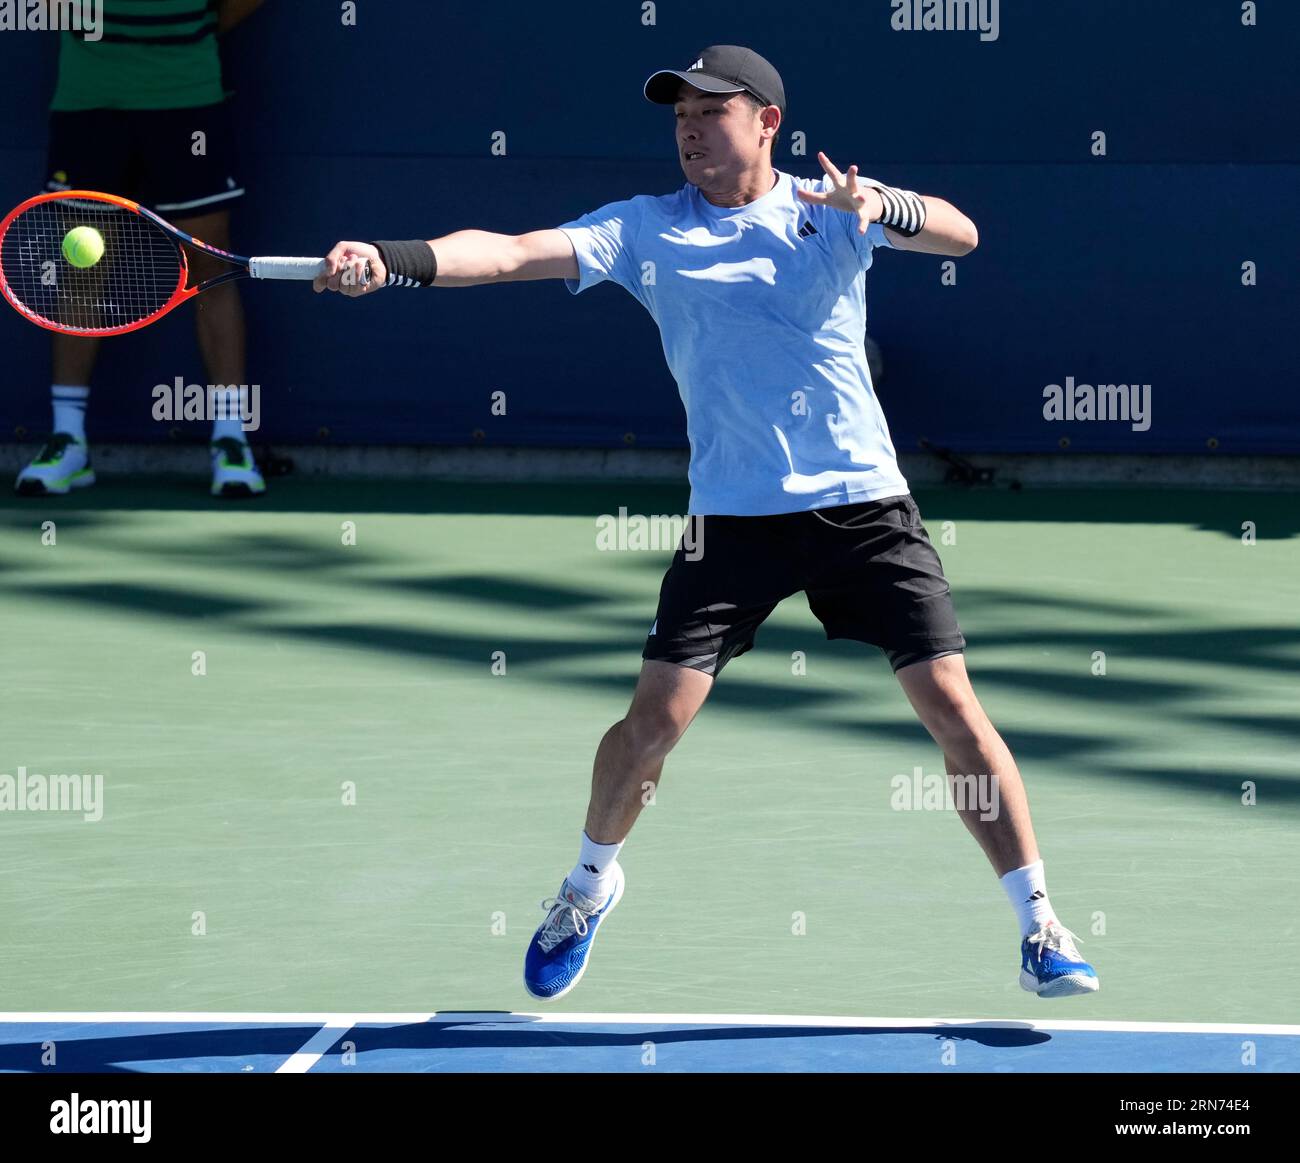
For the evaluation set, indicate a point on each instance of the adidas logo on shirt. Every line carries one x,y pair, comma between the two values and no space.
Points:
807,230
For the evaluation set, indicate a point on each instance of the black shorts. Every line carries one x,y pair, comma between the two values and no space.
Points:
868,570
147,155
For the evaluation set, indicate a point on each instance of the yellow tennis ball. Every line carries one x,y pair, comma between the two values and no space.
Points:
83,246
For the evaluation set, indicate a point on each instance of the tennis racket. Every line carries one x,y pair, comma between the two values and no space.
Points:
139,278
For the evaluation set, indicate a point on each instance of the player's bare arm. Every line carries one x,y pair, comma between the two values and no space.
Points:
946,231
466,258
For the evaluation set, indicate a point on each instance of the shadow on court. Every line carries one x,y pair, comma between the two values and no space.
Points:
110,1053
1276,515
553,628
136,1047
462,1035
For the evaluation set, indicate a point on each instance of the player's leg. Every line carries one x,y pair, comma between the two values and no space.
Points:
714,597
629,762
631,755
724,580
878,579
990,796
941,694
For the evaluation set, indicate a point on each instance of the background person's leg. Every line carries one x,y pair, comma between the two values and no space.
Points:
195,189
87,149
219,326
74,358
218,313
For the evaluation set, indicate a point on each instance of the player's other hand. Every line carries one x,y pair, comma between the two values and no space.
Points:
845,194
345,270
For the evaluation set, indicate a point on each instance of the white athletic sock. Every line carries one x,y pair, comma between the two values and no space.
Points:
228,411
70,408
594,873
1027,891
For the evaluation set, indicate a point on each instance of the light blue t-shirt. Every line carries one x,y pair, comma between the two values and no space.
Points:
762,312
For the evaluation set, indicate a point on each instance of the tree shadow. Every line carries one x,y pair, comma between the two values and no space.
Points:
579,625
1275,514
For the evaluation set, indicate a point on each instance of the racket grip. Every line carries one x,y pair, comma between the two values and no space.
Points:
301,269
275,267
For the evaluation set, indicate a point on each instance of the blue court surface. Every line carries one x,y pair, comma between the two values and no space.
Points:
626,1043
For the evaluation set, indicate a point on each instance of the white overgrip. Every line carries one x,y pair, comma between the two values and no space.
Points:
277,267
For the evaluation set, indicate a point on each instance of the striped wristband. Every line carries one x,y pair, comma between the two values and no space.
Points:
904,210
409,264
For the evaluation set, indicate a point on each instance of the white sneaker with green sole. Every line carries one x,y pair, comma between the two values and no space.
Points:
62,465
234,472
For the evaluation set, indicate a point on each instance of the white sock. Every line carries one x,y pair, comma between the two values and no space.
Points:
594,874
1027,891
70,408
228,412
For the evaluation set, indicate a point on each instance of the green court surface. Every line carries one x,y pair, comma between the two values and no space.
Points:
332,667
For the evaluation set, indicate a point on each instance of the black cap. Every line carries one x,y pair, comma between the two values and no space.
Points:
721,68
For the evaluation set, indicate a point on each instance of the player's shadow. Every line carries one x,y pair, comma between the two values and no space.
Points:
230,1048
521,1034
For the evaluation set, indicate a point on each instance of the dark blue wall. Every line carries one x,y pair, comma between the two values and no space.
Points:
1118,269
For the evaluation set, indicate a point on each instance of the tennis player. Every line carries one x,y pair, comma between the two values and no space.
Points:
756,280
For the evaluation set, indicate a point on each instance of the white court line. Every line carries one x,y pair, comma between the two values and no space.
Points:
309,1053
495,1018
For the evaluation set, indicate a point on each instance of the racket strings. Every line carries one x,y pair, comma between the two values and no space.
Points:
141,268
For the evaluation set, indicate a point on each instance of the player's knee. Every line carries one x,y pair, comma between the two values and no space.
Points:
651,733
955,723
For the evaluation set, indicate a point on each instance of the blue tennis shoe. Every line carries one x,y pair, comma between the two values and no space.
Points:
1051,966
559,951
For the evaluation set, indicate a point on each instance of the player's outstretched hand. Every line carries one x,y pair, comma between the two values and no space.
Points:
345,268
845,194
